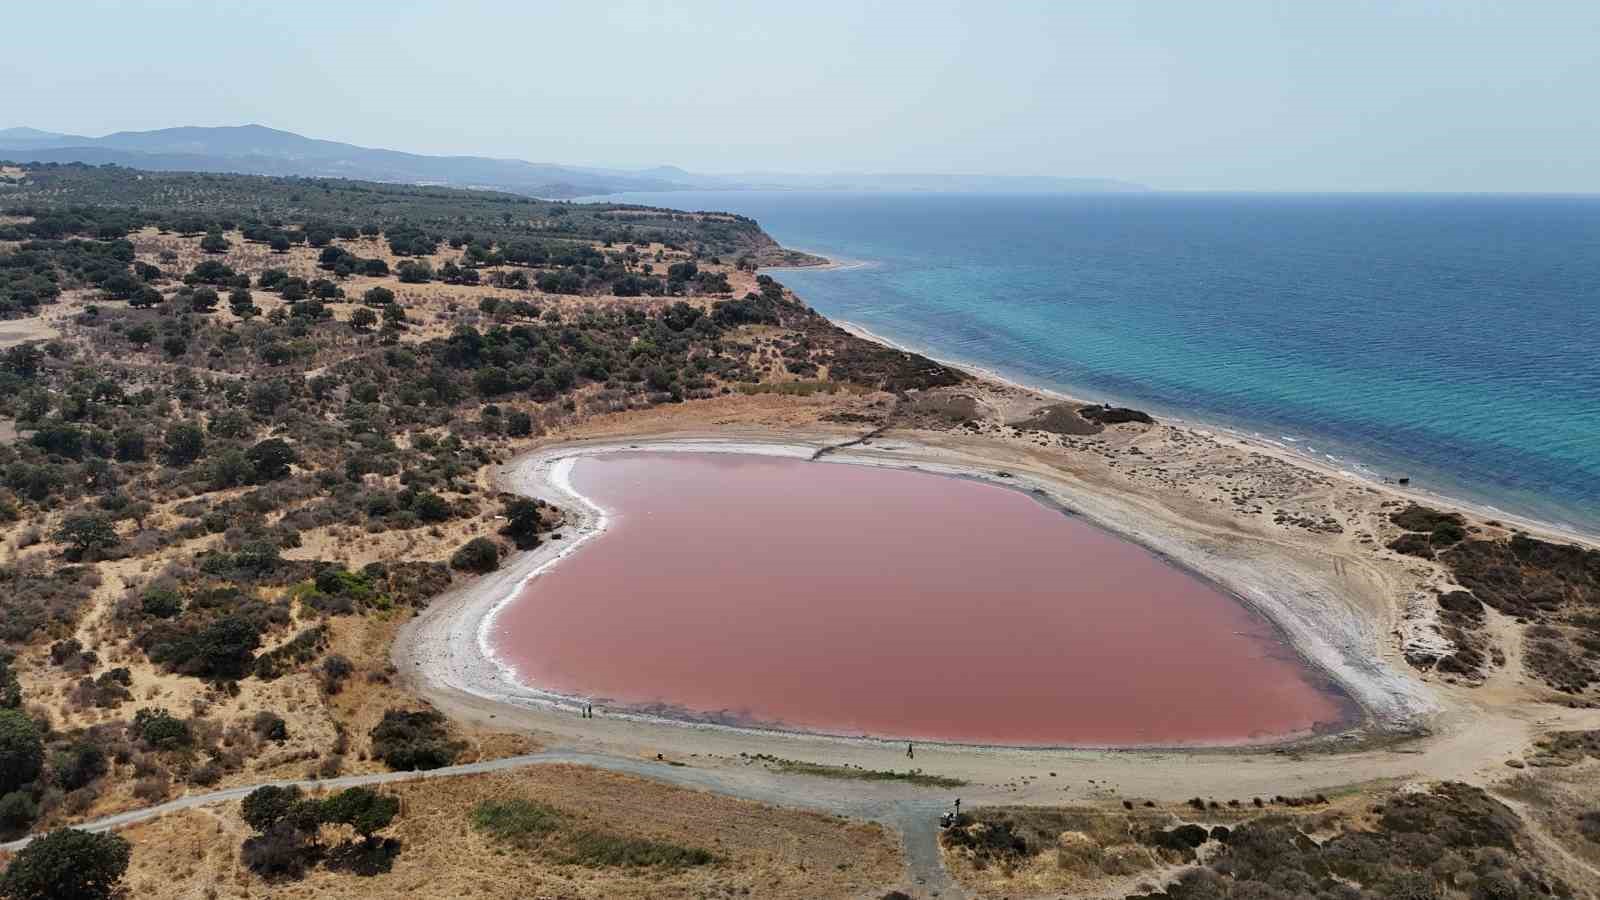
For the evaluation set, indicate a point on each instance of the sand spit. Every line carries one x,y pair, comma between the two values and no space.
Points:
447,648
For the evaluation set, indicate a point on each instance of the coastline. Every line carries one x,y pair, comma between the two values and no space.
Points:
450,645
1347,613
828,263
1254,441
1345,610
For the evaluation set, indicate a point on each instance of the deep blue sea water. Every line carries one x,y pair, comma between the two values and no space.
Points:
1455,340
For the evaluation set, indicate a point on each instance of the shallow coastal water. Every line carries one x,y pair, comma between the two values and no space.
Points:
1454,340
854,600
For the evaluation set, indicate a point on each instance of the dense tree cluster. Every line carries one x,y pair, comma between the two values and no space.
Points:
288,829
38,270
190,203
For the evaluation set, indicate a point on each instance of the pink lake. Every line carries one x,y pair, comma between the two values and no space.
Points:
775,592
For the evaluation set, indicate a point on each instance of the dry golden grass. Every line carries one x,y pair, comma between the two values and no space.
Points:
765,852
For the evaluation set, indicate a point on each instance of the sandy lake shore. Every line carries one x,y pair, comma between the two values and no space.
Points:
1340,618
452,646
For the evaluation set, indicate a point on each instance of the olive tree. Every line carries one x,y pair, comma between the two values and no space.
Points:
67,864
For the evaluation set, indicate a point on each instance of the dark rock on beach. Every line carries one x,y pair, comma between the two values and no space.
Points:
1115,415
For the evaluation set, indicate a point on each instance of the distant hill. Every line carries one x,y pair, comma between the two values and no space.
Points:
259,150
936,183
33,137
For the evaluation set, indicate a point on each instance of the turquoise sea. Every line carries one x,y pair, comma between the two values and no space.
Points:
1451,339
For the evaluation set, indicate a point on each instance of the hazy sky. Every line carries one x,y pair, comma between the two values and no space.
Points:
1208,94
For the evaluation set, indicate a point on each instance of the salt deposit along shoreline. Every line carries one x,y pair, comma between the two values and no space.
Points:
449,646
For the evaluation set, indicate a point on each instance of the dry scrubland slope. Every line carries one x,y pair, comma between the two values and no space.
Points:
255,441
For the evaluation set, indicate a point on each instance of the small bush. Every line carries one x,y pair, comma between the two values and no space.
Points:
17,813
1423,519
1413,545
269,726
407,741
160,729
477,555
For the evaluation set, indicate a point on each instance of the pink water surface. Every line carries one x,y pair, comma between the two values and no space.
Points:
854,600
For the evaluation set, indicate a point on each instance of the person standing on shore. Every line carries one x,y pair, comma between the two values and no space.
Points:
911,752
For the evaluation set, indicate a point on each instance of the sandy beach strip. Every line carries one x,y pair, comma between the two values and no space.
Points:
1354,472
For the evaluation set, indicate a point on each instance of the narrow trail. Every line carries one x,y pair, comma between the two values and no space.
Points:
830,448
1548,841
916,819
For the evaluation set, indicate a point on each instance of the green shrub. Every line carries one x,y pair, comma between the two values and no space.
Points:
524,521
18,811
21,750
363,809
1421,518
430,507
10,687
79,765
1412,545
477,555
67,864
86,534
160,729
185,443
161,603
409,741
223,648
271,459
1447,533
264,808
269,726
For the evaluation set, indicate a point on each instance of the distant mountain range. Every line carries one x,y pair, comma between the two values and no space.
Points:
259,150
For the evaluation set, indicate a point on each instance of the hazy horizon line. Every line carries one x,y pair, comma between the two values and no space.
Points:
1143,184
